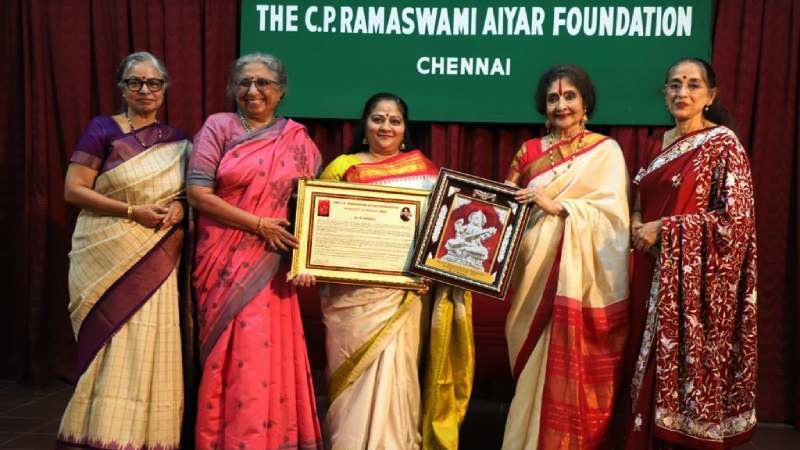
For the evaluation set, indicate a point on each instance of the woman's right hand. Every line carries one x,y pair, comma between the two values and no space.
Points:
537,196
636,224
525,195
273,231
646,235
426,287
303,279
149,216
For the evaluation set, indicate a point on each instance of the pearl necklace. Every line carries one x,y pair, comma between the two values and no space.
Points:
571,157
136,137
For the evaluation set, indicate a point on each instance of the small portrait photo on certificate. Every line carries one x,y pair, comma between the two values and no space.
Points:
405,214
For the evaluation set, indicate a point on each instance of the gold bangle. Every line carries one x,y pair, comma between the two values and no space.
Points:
259,224
130,212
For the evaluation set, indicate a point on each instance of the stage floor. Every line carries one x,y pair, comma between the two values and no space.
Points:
29,420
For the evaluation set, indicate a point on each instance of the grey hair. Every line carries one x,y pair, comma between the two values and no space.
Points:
271,62
125,66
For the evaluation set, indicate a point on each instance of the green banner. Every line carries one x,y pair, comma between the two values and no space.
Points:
475,61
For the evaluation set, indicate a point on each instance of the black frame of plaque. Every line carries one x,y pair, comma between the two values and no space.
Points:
453,192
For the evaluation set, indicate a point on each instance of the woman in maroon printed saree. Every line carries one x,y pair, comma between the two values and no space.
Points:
692,354
127,176
256,389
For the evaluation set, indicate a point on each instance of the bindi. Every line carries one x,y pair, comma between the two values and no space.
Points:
560,90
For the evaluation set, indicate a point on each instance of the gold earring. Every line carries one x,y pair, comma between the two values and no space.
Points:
547,126
707,107
364,141
403,146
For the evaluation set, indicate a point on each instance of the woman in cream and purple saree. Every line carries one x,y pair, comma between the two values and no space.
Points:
256,390
568,320
374,334
127,176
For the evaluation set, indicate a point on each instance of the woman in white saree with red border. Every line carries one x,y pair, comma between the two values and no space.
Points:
567,325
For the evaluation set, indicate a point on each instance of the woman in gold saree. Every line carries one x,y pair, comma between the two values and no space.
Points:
127,176
567,325
374,335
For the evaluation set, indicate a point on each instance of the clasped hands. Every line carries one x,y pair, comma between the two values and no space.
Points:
155,216
645,235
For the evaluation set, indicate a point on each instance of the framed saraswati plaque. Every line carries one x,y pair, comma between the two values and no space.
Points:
471,233
358,233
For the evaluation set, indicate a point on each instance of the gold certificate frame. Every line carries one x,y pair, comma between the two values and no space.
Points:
357,233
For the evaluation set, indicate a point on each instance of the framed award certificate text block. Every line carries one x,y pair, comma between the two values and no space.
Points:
471,233
357,233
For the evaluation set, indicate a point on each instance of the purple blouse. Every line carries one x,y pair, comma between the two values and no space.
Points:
103,145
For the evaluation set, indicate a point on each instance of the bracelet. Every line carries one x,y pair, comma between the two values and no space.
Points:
130,212
259,224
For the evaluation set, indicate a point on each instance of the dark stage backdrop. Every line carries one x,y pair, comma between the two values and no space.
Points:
58,62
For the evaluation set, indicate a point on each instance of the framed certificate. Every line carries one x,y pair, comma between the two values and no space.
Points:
471,233
357,233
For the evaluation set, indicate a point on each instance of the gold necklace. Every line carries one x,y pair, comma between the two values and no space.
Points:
555,142
246,123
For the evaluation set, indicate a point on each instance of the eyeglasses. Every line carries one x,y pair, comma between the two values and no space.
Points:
692,86
136,84
261,83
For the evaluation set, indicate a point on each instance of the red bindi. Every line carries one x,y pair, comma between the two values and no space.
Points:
560,91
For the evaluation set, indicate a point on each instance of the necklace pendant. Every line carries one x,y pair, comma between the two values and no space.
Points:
245,124
134,132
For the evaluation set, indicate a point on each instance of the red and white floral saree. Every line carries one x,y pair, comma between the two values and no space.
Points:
694,305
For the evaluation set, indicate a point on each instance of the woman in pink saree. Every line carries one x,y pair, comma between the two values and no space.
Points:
256,389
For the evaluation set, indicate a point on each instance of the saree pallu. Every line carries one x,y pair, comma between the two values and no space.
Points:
373,347
374,338
124,311
449,368
694,380
256,390
568,320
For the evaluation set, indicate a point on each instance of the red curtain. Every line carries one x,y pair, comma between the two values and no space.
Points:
59,59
